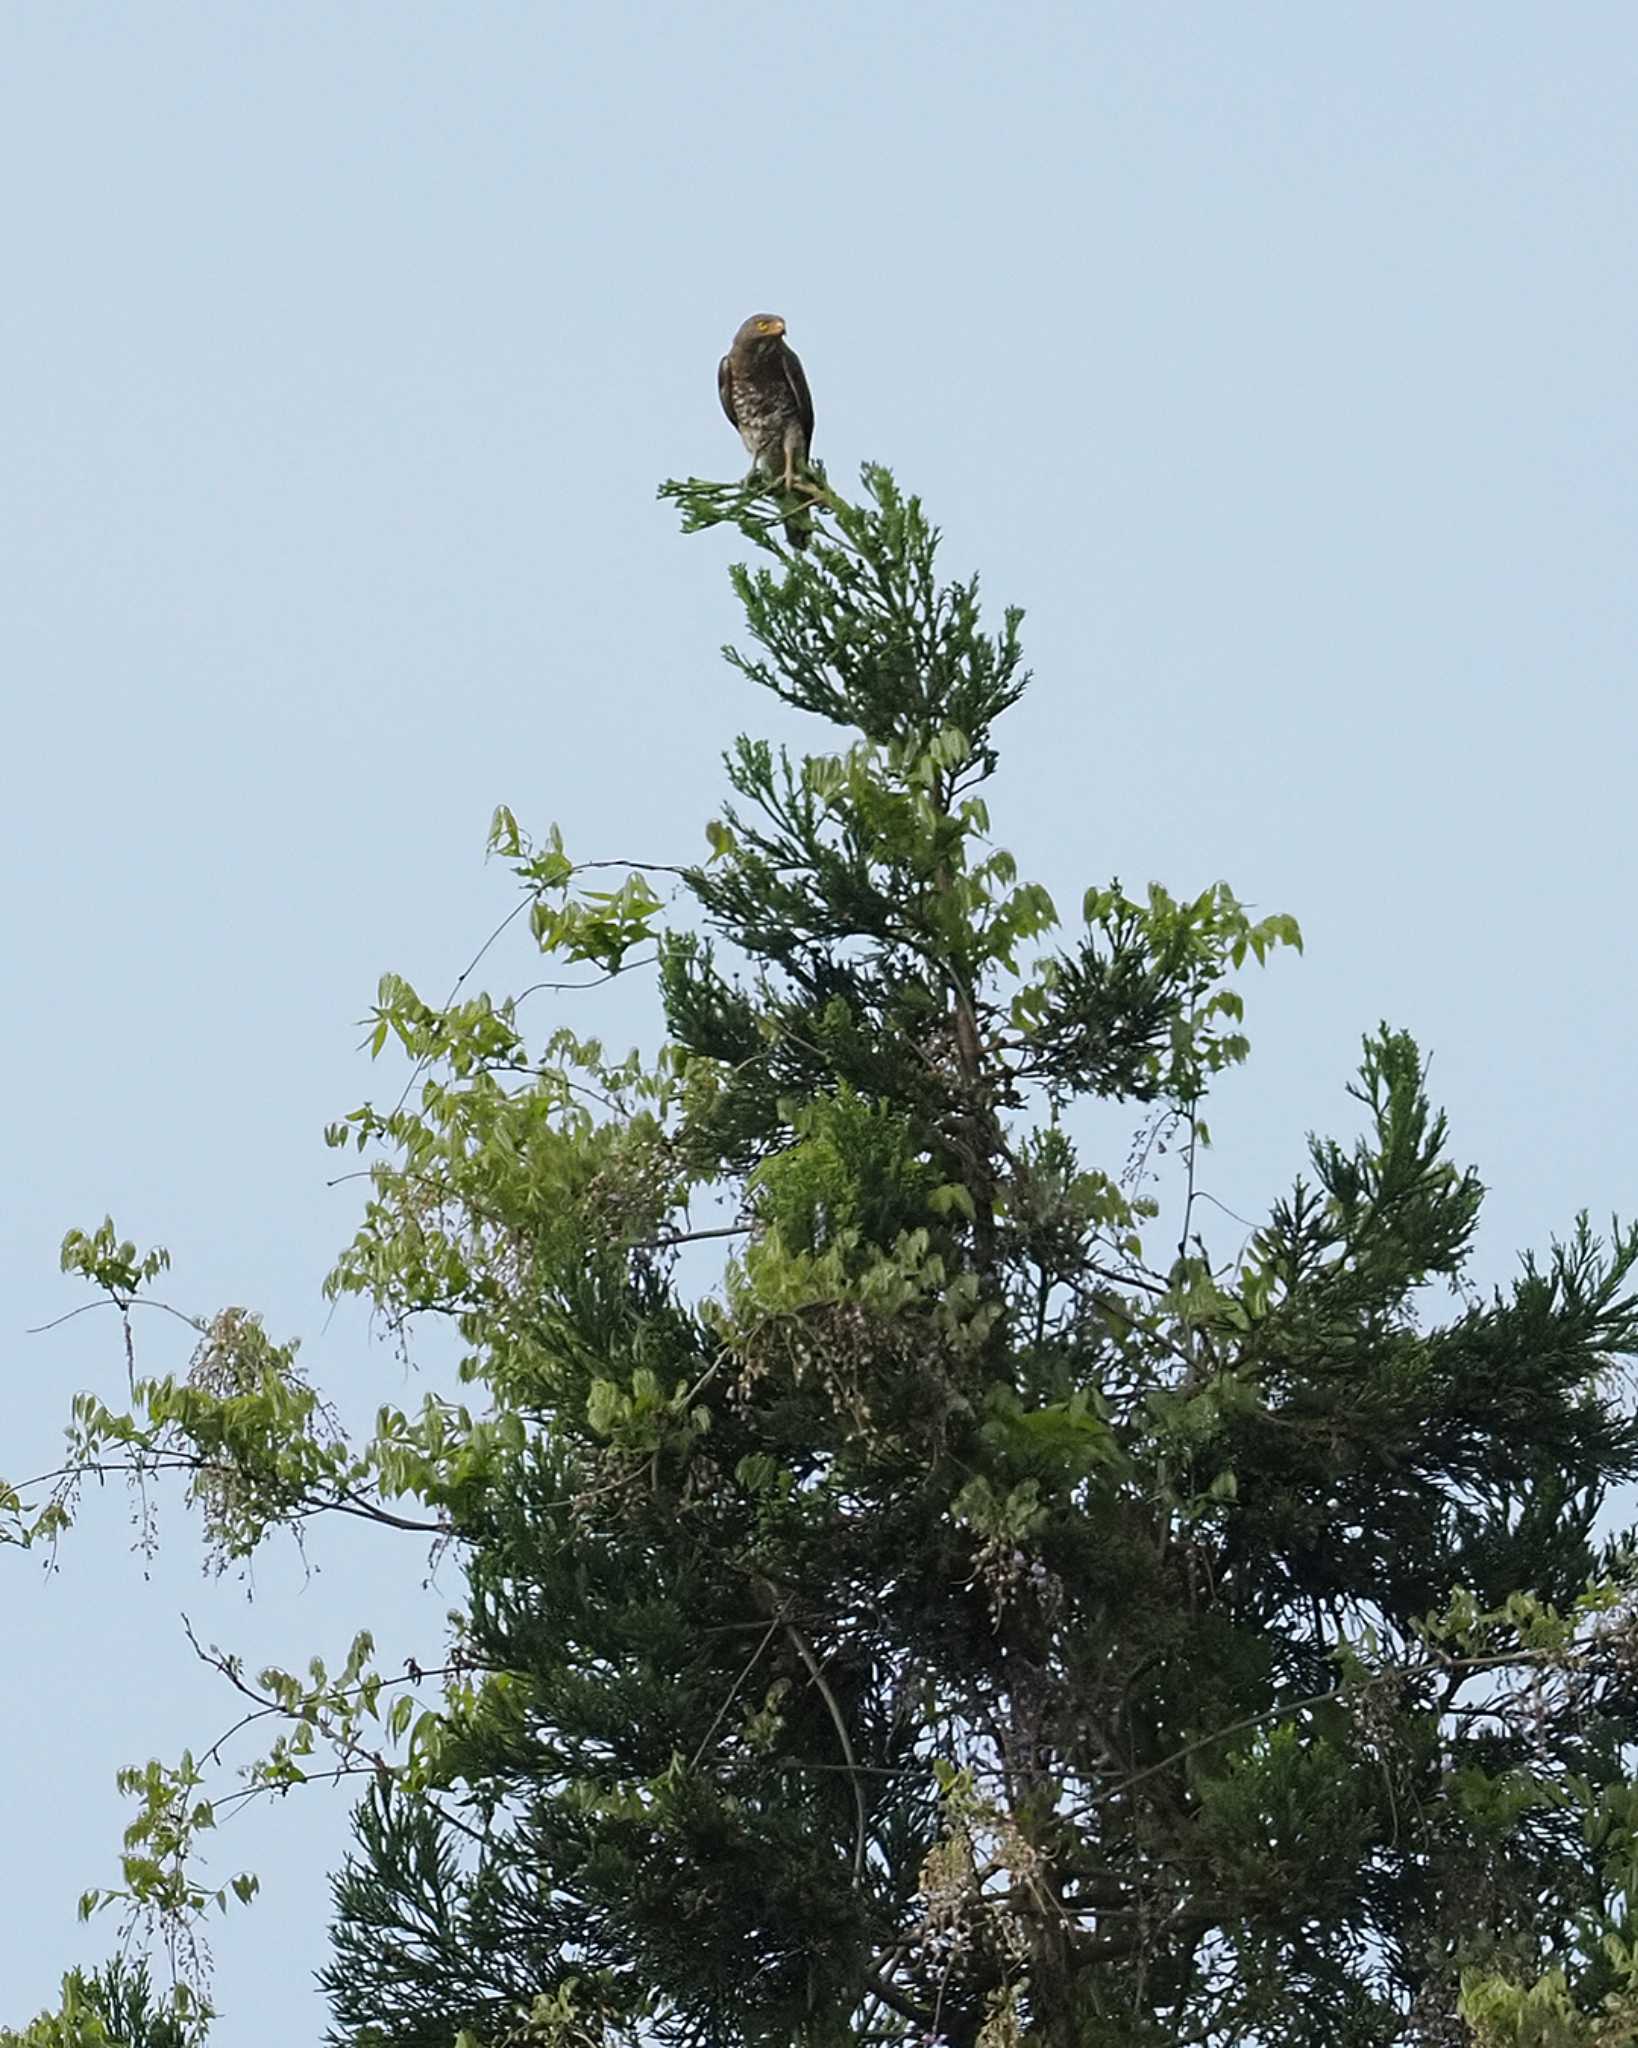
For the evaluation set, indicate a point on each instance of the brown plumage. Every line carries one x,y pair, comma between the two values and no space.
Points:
765,395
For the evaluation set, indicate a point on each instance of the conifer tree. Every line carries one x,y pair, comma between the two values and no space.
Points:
960,1624
918,1589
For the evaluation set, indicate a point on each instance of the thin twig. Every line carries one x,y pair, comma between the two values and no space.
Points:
115,1301
536,988
749,1666
422,1063
653,1244
1203,1195
1531,1659
829,1698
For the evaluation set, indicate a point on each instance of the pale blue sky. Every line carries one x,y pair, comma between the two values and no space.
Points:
1278,358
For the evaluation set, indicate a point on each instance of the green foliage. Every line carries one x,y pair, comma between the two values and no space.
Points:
115,2007
938,1619
118,1269
851,1176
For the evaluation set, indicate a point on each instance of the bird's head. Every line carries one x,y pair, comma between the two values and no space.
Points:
761,327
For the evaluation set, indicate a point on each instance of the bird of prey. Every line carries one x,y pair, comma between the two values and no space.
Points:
765,395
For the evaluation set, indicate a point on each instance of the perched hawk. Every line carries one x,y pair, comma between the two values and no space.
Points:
765,395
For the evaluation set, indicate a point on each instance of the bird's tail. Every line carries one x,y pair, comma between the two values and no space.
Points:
798,529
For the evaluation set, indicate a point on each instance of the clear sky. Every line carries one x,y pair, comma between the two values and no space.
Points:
1278,358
